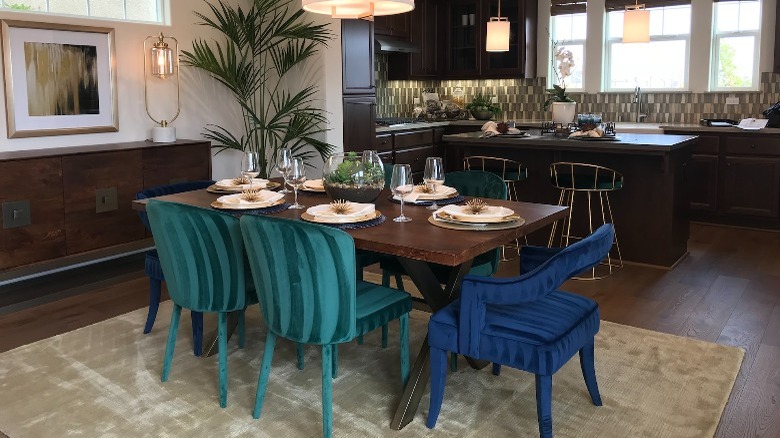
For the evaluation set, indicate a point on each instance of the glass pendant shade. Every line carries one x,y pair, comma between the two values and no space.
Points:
357,8
636,25
161,60
497,39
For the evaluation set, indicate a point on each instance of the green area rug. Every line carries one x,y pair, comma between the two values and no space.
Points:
104,381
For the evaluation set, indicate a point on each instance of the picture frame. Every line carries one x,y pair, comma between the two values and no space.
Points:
60,79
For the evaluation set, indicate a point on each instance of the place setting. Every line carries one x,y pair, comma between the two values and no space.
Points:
431,192
251,197
345,215
476,215
247,180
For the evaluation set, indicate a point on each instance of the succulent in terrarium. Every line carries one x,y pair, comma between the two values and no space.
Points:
354,177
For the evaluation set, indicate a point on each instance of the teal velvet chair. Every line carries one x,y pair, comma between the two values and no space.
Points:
202,256
306,286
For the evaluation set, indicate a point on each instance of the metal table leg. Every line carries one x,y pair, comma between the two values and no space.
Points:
211,343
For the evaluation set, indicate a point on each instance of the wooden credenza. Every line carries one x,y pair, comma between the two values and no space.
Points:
66,205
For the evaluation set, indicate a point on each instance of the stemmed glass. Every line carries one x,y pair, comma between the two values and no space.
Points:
433,176
283,166
250,166
295,177
401,185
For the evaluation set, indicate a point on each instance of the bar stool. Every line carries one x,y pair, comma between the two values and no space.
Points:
511,171
593,180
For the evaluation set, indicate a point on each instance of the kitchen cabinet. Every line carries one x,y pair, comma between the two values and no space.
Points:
359,122
703,179
424,34
410,147
752,186
357,53
396,25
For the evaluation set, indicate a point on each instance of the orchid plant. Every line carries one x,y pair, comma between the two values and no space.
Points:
565,60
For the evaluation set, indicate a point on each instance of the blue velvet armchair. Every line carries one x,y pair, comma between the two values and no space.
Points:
524,322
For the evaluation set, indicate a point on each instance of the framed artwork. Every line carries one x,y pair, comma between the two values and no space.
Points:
59,79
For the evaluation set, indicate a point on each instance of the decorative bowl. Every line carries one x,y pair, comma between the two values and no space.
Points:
352,176
482,115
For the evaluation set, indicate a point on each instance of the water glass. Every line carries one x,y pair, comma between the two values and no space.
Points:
401,185
250,166
283,165
433,177
295,177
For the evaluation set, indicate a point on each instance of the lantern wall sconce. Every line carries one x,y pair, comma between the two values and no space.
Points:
161,61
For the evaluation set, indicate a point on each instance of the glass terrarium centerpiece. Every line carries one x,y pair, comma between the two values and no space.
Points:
352,176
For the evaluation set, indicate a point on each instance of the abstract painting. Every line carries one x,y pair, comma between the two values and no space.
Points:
59,79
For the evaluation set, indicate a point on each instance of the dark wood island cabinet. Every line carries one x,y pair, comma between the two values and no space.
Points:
650,211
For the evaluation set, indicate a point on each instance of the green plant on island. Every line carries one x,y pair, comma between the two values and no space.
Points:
261,46
482,103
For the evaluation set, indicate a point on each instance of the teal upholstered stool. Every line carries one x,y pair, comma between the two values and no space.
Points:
591,181
306,286
202,256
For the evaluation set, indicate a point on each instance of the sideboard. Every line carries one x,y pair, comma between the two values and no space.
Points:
68,205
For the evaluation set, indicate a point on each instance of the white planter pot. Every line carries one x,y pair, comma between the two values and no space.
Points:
564,112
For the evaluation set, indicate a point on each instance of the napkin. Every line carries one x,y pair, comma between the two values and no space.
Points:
325,211
314,184
267,197
257,183
491,213
490,129
418,195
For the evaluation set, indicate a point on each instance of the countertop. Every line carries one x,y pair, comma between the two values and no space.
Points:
652,144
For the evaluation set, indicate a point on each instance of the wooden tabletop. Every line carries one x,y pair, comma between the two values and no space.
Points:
417,239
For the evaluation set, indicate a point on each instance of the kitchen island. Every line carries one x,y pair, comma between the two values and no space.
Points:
650,211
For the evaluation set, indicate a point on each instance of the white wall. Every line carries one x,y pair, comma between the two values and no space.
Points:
204,101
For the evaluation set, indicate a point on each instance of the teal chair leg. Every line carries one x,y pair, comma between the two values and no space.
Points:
327,391
241,329
384,336
299,355
453,362
172,330
335,366
404,329
222,335
360,339
265,369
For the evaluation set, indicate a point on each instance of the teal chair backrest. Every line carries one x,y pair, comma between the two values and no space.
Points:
305,278
388,174
202,256
477,183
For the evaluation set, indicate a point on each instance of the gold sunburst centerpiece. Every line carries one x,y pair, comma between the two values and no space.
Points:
476,206
251,195
341,206
424,188
241,180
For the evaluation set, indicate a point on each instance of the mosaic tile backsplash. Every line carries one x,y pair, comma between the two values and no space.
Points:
523,99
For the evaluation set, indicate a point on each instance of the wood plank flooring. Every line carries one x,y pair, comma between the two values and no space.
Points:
726,291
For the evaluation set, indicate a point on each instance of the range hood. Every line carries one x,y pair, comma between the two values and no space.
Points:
387,44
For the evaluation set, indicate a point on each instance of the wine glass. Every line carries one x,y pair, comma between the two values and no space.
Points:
401,185
433,176
250,166
295,177
283,166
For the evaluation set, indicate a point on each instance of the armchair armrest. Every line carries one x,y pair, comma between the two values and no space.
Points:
531,257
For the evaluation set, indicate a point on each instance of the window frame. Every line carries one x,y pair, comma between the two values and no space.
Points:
162,18
606,70
551,74
715,52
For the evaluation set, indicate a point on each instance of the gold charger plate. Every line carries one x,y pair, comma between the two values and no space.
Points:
371,216
220,191
310,190
223,206
515,223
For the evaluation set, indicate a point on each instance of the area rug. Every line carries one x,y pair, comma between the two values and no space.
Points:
104,381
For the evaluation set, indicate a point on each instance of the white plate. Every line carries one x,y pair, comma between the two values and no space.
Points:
492,214
442,192
229,184
324,212
340,220
234,202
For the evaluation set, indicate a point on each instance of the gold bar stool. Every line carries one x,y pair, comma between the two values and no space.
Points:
511,171
593,180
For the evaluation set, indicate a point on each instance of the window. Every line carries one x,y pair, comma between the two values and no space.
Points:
661,64
130,10
569,31
735,43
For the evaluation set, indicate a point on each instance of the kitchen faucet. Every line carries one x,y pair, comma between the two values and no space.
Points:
638,102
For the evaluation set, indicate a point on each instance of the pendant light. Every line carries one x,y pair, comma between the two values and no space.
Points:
636,24
497,39
357,8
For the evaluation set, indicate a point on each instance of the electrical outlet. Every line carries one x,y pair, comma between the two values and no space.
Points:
732,101
494,99
416,101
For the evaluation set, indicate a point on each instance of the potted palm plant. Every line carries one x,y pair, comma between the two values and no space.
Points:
261,45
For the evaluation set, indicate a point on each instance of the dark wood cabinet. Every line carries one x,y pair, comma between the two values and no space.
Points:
396,25
752,186
463,27
175,164
424,34
703,182
359,122
357,56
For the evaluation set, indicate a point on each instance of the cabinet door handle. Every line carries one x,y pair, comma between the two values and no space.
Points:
752,146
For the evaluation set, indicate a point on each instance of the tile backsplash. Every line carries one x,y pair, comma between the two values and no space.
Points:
523,99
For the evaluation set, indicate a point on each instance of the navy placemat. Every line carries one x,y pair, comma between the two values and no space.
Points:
257,211
367,224
447,201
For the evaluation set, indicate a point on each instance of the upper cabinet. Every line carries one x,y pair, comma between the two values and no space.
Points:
394,25
465,32
357,56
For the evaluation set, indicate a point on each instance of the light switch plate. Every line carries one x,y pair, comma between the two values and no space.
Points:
494,99
732,101
16,214
106,200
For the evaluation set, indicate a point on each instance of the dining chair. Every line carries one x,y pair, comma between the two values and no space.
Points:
202,256
524,322
152,262
306,286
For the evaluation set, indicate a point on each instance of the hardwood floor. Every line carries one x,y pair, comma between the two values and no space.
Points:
727,291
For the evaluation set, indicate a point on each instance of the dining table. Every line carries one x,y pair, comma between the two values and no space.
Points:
419,246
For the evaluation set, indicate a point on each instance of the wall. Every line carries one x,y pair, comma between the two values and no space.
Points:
204,101
523,98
